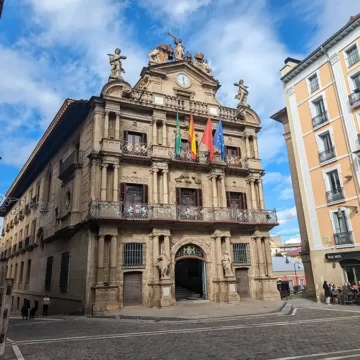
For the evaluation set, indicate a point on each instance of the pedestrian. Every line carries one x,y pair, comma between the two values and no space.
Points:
327,292
25,310
46,304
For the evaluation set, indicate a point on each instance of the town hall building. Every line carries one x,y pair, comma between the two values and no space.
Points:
123,203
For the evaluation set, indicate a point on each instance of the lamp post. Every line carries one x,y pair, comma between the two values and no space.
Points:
295,263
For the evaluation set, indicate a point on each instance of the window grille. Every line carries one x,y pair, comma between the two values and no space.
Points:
241,253
134,255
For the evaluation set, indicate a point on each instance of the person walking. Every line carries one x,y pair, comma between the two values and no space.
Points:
46,304
25,309
327,292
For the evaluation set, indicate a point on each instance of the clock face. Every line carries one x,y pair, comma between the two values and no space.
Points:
183,80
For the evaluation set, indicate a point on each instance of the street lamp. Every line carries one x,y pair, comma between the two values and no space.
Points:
298,267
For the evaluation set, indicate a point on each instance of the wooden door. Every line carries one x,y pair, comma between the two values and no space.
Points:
242,281
132,288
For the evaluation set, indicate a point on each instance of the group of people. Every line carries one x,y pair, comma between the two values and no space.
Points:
28,312
347,292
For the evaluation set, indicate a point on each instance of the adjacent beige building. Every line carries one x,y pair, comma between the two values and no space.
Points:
105,213
322,126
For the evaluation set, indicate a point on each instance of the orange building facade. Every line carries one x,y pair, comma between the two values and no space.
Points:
322,131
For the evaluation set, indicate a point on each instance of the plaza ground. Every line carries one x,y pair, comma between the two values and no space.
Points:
311,331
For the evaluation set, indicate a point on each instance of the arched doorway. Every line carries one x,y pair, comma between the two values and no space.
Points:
190,273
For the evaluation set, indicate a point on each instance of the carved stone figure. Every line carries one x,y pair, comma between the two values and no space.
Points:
116,64
226,263
201,63
188,57
161,54
179,47
206,67
163,264
242,93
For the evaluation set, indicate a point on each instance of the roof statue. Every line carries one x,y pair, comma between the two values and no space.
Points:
242,93
188,57
161,54
201,63
179,47
116,64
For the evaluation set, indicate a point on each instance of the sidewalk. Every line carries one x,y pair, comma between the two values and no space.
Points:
198,310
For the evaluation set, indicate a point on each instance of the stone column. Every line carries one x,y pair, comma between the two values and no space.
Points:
218,257
253,195
106,124
166,191
100,260
261,194
103,181
164,137
214,191
115,183
260,257
155,256
93,179
223,191
268,256
117,126
247,146
113,257
256,150
154,133
155,186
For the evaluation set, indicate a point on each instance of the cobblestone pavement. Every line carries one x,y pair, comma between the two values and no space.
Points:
312,333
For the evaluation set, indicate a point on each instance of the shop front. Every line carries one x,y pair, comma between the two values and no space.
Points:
349,262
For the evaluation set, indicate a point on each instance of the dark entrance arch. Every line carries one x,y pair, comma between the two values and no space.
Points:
190,273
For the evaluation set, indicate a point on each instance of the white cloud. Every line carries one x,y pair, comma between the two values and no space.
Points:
286,194
286,215
293,240
281,184
1,223
276,177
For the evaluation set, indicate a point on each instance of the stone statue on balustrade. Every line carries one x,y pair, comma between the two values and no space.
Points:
161,54
202,63
179,47
227,265
116,64
163,264
242,94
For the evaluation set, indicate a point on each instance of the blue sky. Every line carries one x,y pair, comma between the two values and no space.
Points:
51,50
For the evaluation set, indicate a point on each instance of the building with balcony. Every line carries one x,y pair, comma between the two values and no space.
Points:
322,122
109,214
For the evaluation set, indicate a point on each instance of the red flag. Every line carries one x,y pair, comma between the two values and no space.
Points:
208,139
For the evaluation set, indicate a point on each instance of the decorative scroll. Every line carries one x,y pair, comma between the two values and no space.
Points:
189,250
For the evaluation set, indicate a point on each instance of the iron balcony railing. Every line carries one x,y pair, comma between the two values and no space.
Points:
353,58
136,149
173,212
314,85
320,119
354,98
343,238
68,165
327,154
202,157
335,195
237,161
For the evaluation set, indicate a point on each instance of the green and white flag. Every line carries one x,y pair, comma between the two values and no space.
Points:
178,144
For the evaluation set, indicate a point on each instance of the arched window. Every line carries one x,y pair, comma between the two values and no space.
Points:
47,185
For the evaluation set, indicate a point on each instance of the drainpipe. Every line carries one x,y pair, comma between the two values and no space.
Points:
352,164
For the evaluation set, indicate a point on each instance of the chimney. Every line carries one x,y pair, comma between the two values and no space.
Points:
290,63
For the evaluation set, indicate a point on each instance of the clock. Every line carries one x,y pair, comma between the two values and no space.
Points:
183,80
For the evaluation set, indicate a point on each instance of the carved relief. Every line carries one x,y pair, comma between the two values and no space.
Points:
235,188
134,179
187,180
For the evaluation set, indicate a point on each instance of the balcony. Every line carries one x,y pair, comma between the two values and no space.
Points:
202,157
353,58
343,239
354,98
178,213
29,240
314,85
20,246
320,119
135,149
335,195
68,166
327,154
27,209
237,162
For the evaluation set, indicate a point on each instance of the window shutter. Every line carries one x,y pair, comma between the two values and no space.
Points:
178,196
228,202
199,197
143,139
238,152
145,194
122,191
125,135
244,201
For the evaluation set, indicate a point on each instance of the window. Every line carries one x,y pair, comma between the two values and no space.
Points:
313,83
134,255
47,185
15,275
48,273
352,55
236,200
342,233
189,204
319,106
26,231
326,148
28,270
21,275
135,143
241,253
37,192
335,190
356,82
64,272
134,193
233,155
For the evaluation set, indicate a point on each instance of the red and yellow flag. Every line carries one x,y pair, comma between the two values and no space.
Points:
192,138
